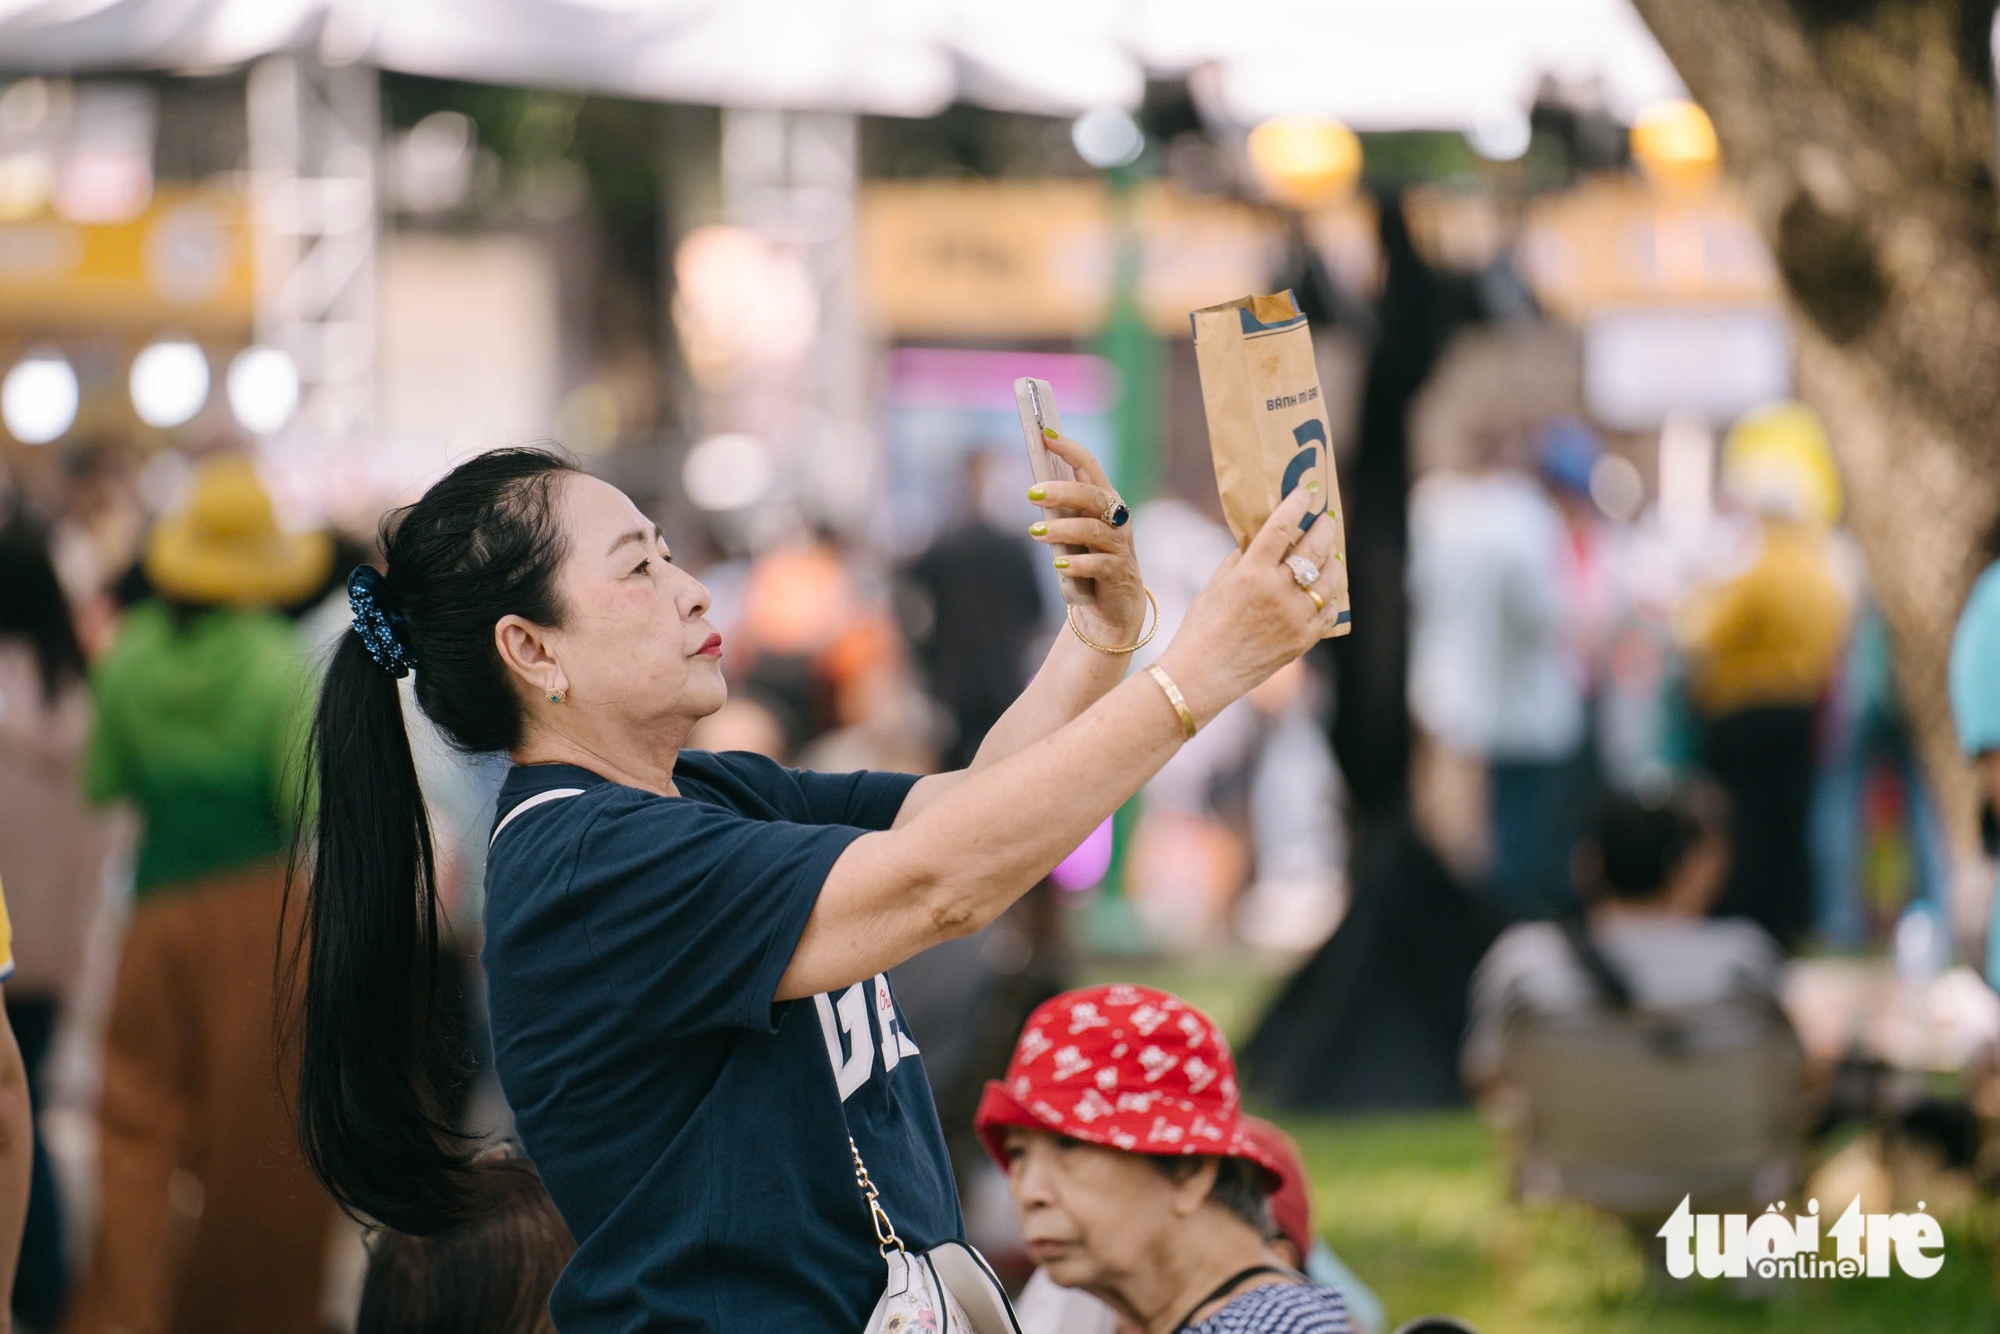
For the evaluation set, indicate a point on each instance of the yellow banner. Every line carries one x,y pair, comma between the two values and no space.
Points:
1036,259
185,263
1611,243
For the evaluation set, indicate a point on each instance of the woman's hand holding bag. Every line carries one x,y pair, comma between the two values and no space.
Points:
1255,616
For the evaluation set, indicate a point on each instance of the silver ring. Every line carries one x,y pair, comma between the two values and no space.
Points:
1304,573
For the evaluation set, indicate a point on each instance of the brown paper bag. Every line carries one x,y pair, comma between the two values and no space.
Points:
1267,424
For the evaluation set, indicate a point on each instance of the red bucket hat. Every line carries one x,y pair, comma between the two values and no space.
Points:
1291,1206
1127,1067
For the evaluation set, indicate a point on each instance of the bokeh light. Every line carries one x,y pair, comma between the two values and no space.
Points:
1501,135
169,383
431,165
728,472
38,399
263,389
1303,161
1674,144
1107,137
740,301
25,181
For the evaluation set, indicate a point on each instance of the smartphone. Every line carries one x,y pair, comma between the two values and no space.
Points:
1037,404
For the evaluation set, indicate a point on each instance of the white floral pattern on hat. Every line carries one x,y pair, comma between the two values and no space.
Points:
1145,1072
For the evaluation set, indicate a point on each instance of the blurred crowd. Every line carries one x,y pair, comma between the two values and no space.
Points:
1557,653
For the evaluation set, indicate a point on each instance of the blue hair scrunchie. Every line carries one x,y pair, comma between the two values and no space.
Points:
379,625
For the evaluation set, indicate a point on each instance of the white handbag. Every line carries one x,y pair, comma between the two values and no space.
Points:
948,1289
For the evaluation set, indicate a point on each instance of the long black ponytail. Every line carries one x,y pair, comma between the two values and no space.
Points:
374,1058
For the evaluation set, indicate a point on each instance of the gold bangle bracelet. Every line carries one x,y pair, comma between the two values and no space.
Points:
1088,642
1175,698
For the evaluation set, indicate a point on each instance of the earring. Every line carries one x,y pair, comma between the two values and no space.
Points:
555,697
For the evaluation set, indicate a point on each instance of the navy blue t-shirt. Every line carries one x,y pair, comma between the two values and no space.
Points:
694,1134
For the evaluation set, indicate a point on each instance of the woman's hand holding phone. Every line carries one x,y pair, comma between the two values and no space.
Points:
1117,616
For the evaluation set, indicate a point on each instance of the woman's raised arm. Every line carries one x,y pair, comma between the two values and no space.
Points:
985,841
1072,677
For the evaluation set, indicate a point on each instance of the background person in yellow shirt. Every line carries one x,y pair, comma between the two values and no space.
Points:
17,1141
1762,649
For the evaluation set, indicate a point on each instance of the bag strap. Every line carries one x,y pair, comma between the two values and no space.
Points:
886,1239
1231,1284
1611,985
540,798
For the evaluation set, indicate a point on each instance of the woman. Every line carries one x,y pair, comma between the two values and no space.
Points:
1122,1136
52,851
685,951
201,718
1047,1308
1763,646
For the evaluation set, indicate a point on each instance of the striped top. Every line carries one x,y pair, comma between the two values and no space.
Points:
1280,1308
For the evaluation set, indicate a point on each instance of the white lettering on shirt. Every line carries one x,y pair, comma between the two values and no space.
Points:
854,1060
853,1071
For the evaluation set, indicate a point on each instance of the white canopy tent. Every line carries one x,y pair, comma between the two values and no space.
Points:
315,163
1376,64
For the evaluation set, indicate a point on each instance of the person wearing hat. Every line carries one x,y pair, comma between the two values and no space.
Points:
1120,1128
201,708
1045,1308
1763,645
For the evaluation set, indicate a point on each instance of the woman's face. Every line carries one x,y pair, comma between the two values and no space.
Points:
1096,1218
635,639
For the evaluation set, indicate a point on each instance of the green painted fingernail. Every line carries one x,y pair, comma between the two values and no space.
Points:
1038,530
1312,484
1038,493
1051,433
1062,562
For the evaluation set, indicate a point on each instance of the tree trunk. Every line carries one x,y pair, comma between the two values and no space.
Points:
1862,135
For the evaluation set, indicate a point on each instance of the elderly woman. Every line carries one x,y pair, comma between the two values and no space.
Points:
1122,1136
685,951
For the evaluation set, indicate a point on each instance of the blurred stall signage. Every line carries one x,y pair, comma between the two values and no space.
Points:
943,377
185,261
1640,366
1613,243
1034,259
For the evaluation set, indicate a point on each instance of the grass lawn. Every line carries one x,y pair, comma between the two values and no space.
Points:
1418,1207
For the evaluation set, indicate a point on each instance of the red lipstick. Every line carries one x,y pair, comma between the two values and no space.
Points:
710,647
